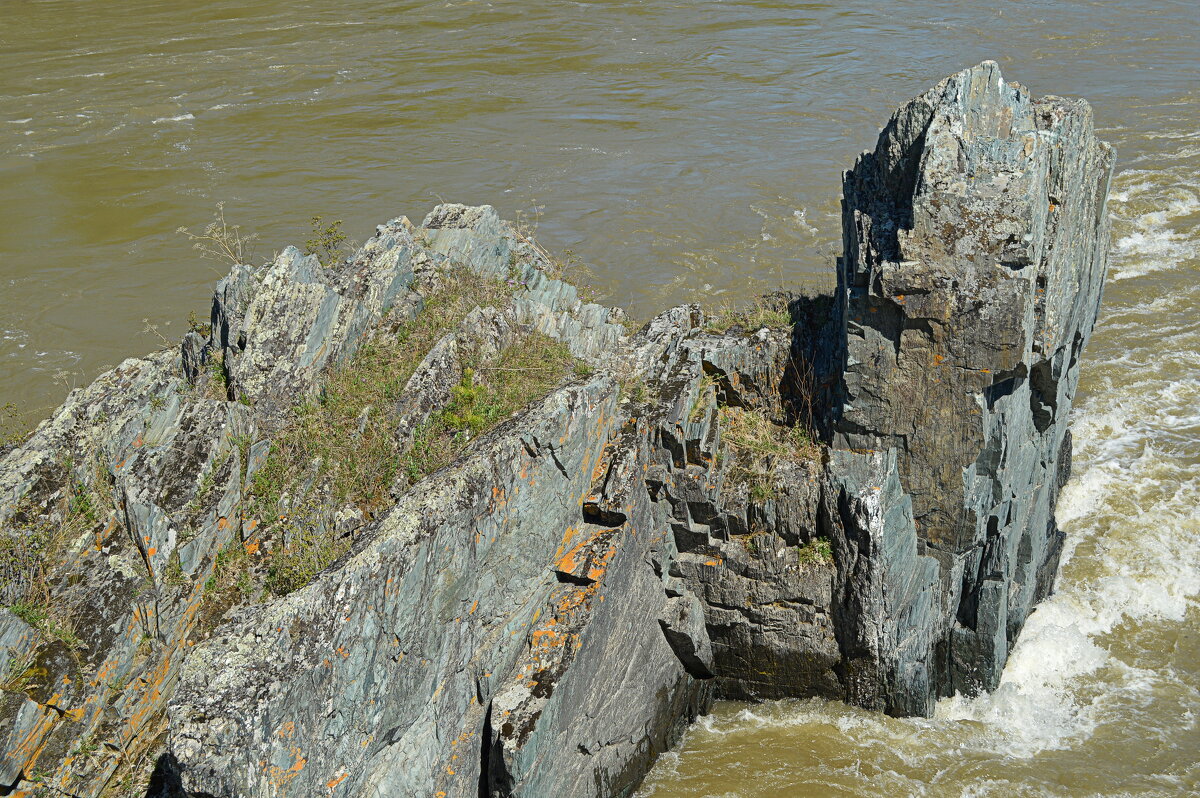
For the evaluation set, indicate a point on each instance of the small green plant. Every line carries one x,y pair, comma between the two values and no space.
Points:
48,621
465,412
86,746
218,380
487,396
230,582
311,550
207,483
157,403
761,490
229,570
82,504
634,388
328,242
202,329
31,612
173,574
818,551
19,672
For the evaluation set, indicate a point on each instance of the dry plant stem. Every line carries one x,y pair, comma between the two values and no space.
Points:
221,241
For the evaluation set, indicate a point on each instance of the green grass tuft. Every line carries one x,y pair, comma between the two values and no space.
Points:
748,319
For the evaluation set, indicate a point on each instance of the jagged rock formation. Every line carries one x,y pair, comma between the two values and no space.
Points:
975,243
543,612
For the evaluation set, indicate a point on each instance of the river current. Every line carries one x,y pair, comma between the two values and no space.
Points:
686,151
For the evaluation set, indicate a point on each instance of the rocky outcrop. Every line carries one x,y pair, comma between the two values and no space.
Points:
347,542
975,242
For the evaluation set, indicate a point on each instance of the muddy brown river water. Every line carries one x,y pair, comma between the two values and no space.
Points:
687,151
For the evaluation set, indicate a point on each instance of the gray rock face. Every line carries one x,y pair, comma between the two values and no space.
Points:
975,242
544,614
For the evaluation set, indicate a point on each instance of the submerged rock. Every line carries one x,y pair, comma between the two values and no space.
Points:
427,522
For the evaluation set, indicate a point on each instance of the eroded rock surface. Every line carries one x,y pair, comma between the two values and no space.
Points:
855,503
975,244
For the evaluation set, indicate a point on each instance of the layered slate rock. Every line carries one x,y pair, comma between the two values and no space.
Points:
546,613
975,242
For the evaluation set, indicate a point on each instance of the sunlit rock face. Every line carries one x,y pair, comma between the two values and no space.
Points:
975,246
845,496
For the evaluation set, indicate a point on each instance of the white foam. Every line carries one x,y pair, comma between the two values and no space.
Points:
1144,205
180,118
802,221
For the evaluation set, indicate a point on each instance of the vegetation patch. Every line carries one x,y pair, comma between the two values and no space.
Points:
487,395
707,385
346,437
757,443
818,551
231,582
33,546
203,329
311,548
748,319
344,445
634,388
327,242
13,429
221,241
